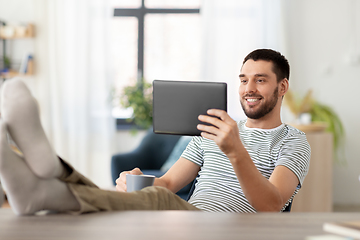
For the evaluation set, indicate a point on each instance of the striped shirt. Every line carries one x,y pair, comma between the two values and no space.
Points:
218,189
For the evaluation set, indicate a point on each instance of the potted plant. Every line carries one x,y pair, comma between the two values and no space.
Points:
322,117
139,98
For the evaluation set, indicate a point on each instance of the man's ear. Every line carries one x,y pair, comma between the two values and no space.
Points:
283,87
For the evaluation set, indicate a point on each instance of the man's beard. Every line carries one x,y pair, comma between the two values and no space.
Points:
267,107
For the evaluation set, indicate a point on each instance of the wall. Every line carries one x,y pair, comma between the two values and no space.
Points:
324,52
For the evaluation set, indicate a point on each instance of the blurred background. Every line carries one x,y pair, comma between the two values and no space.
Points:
83,53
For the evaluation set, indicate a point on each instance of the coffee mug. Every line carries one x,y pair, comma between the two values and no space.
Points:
138,182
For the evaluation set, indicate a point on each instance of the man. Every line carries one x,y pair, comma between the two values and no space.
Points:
258,165
255,165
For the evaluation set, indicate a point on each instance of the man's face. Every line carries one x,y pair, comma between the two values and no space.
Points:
259,92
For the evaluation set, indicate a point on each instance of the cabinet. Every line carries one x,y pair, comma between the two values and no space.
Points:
12,33
316,192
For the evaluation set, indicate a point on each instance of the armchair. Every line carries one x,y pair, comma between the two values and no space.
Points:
149,156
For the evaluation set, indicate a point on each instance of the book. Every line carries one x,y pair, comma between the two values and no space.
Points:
348,229
327,237
26,65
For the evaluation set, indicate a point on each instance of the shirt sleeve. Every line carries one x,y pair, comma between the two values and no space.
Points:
194,152
295,155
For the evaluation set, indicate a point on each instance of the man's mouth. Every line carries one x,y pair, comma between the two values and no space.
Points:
252,100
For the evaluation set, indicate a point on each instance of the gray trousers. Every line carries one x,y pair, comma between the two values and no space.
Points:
93,199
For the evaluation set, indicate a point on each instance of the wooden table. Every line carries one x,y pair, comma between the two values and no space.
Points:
166,225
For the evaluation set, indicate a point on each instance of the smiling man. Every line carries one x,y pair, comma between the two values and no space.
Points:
257,164
269,159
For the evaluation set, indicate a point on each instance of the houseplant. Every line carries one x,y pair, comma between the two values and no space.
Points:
139,98
320,114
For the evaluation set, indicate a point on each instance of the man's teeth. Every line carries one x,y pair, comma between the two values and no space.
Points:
252,100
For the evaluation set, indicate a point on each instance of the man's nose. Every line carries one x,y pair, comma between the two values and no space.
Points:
250,87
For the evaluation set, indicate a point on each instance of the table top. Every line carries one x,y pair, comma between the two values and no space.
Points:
167,225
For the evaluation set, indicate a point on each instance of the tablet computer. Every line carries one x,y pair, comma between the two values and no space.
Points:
177,104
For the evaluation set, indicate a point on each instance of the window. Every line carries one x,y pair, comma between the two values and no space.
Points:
154,39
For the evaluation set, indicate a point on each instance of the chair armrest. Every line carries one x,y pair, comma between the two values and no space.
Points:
152,152
127,162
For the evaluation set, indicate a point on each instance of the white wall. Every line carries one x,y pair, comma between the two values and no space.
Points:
322,37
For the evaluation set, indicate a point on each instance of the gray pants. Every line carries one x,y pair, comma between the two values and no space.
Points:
93,199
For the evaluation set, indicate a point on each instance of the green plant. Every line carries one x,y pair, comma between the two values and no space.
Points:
7,62
320,113
139,98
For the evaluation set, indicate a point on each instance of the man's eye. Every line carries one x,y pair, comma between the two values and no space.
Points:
260,80
243,81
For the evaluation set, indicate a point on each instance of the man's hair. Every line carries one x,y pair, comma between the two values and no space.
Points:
281,66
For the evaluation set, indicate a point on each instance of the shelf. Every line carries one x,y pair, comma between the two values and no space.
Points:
17,32
13,32
12,74
29,71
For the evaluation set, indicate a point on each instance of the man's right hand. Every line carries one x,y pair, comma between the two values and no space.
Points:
121,181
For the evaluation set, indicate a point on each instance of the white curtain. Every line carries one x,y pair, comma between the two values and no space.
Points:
232,29
74,82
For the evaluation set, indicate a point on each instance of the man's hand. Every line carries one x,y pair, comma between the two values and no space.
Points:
121,181
224,133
